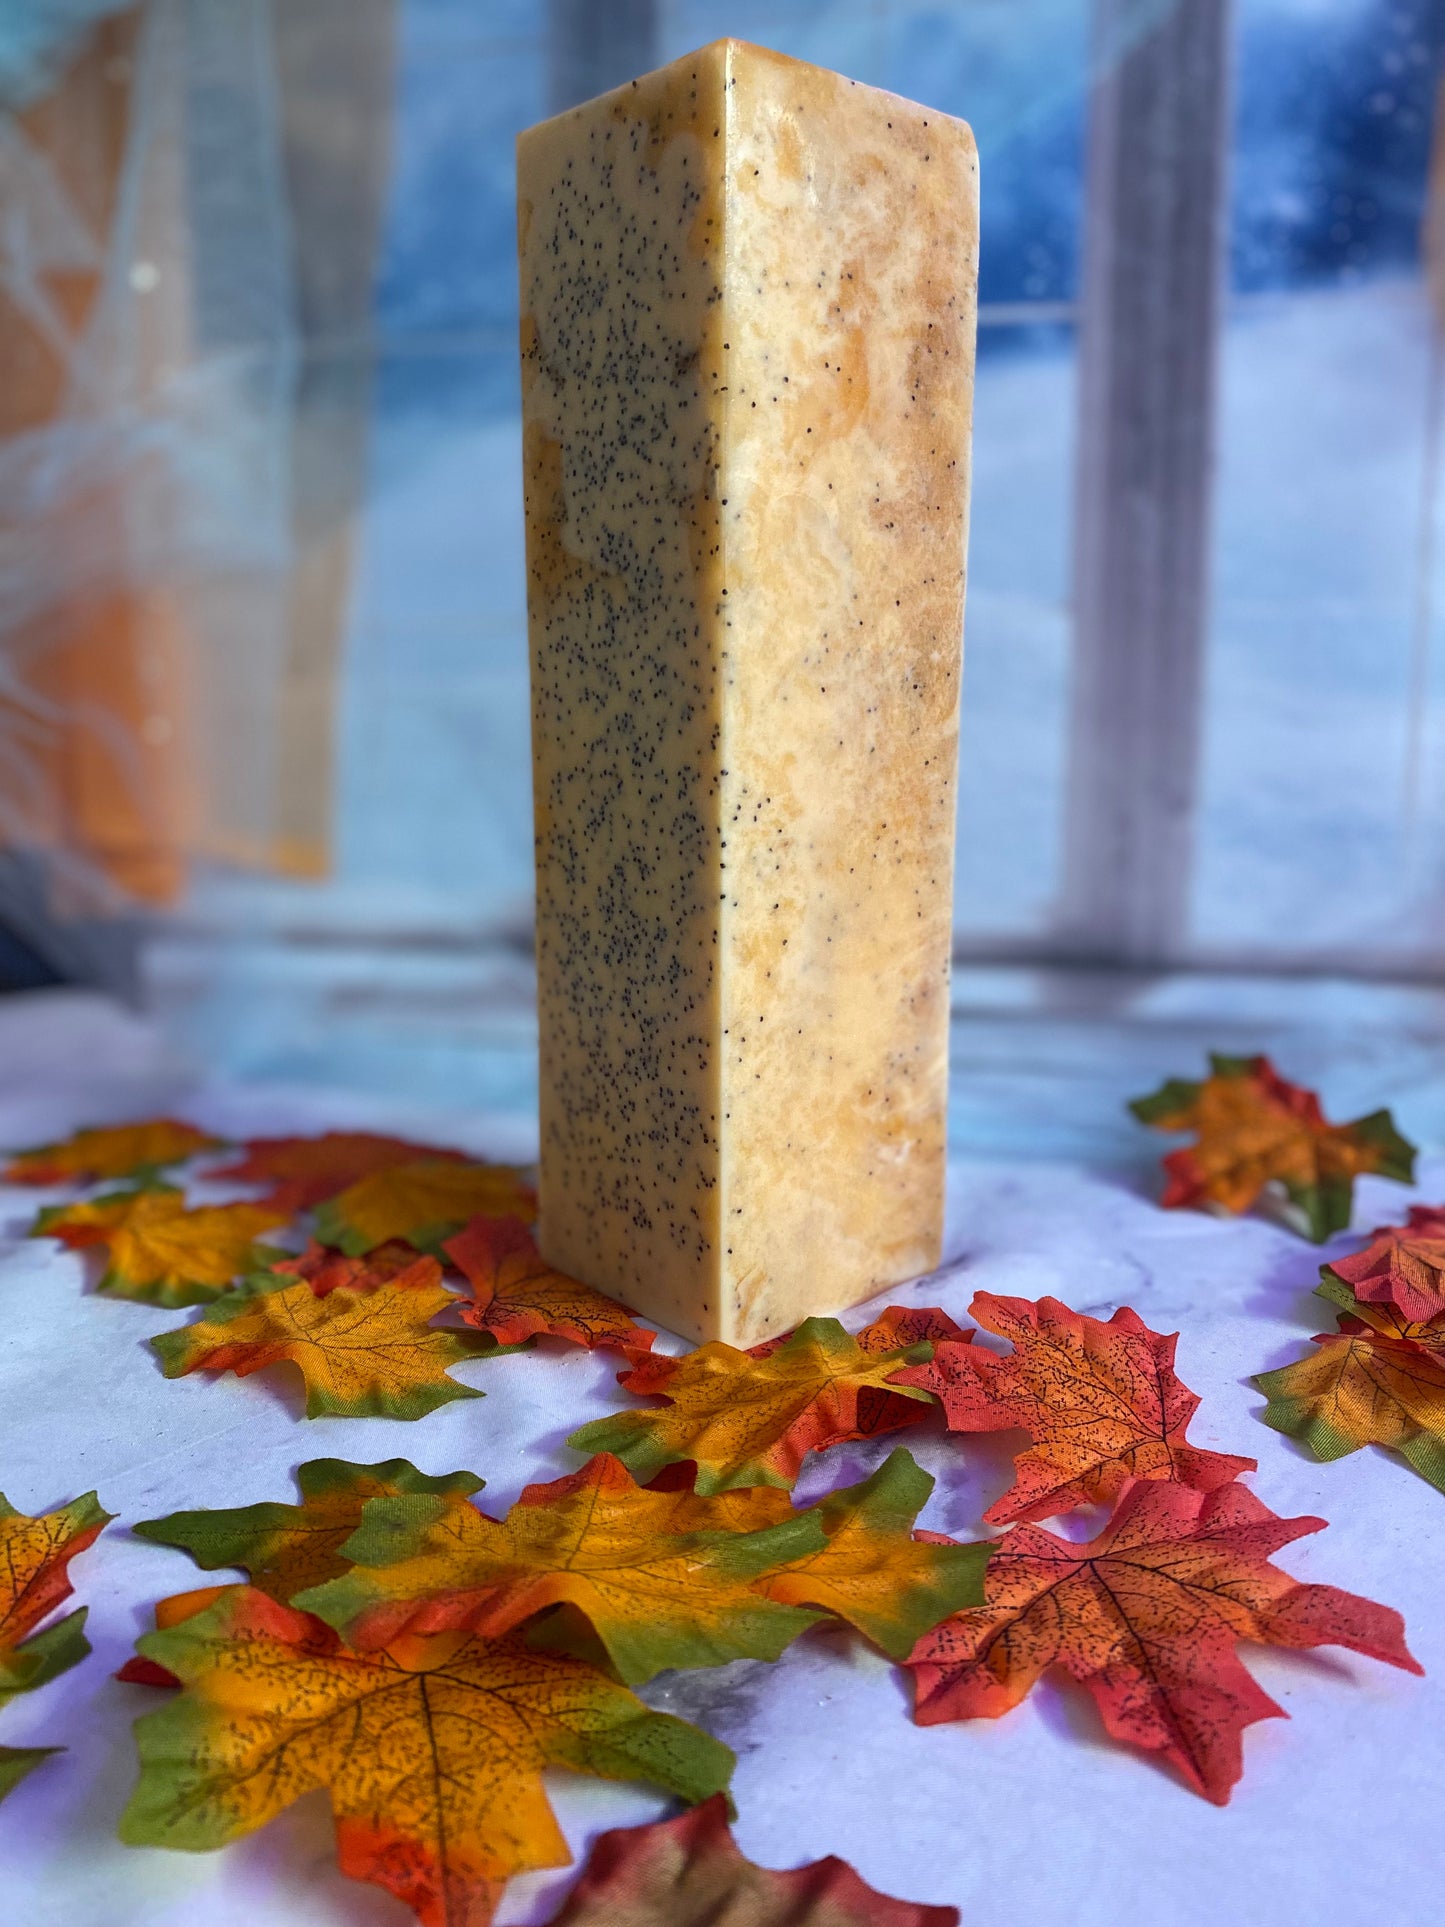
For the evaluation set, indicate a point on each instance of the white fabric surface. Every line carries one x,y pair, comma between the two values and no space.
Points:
1035,1820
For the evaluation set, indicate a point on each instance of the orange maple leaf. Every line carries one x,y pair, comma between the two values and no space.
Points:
517,1295
1146,1617
662,1579
746,1420
361,1353
688,1872
160,1253
1255,1129
422,1203
113,1151
35,1555
302,1172
1099,1401
1403,1265
432,1751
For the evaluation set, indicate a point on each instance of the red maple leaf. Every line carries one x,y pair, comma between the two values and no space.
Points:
1146,1617
688,1872
1403,1266
517,1295
1099,1400
327,1271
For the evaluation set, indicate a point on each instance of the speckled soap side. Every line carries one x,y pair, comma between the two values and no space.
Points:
748,305
620,208
852,248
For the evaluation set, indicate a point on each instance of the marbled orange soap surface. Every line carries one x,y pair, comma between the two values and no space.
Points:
748,292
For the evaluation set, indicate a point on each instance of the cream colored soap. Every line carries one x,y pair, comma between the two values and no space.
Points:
748,310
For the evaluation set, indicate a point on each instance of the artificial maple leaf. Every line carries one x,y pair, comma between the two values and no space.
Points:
17,1761
881,1408
1386,1319
517,1295
158,1252
893,1330
752,1421
115,1151
873,1570
1146,1617
35,1555
1099,1401
286,1548
1255,1129
432,1751
688,1872
44,1656
324,1269
665,1579
302,1172
1378,1380
1403,1265
423,1203
180,1606
363,1354
282,1548
658,1579
903,1325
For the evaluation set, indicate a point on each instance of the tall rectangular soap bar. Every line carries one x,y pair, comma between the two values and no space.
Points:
748,312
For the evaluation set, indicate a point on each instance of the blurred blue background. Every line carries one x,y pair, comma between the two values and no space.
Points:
1318,832
1312,828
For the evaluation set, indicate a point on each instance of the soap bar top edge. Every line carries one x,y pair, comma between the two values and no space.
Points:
734,53
721,51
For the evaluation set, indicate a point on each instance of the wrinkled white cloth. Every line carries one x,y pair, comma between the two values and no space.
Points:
1034,1820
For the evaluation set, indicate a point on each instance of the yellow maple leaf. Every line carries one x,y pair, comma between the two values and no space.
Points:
361,1353
874,1570
664,1578
114,1151
288,1548
35,1555
750,1419
423,1202
1378,1380
432,1751
160,1253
